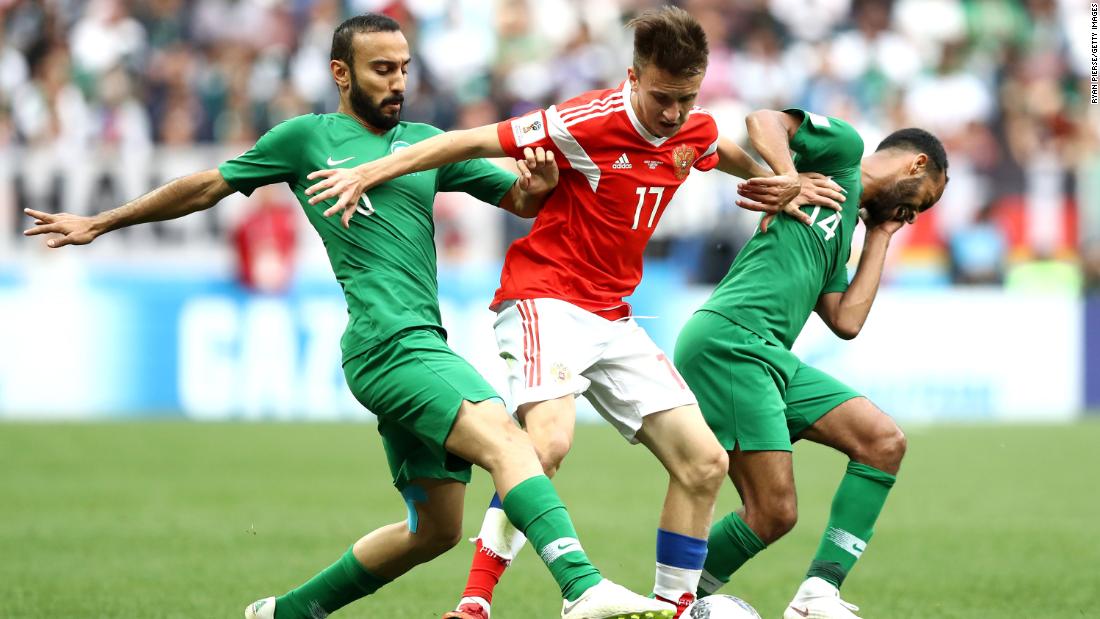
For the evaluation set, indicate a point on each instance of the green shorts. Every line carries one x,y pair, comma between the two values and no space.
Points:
414,383
753,394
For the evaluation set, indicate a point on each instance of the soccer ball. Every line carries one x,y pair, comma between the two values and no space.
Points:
721,607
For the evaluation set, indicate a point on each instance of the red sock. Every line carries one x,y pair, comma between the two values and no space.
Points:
485,572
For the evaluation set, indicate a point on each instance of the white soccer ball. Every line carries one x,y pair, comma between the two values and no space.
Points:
720,607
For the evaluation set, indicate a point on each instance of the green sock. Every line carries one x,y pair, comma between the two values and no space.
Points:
856,506
336,586
533,507
730,545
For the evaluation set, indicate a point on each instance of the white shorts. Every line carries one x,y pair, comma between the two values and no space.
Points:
554,348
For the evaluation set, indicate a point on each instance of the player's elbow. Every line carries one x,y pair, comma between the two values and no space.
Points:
846,329
755,119
209,188
764,117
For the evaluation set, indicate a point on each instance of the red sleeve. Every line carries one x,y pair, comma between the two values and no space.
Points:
528,131
707,162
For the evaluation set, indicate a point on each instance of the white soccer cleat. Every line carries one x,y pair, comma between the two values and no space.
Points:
260,609
607,600
819,599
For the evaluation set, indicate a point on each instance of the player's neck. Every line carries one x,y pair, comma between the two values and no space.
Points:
345,109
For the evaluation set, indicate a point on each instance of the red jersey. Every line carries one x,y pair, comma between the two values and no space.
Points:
616,179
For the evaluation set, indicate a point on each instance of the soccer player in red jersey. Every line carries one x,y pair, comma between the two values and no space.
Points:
562,324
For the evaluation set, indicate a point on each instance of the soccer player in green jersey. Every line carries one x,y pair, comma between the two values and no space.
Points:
436,414
756,395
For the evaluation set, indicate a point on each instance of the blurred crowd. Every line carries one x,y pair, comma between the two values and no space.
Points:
1004,83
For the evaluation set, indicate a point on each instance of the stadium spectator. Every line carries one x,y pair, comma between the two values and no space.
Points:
265,239
978,252
995,78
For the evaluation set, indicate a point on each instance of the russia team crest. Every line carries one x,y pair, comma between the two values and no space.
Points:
683,157
560,373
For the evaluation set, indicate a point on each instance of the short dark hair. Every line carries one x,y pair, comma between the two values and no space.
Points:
360,24
918,141
671,39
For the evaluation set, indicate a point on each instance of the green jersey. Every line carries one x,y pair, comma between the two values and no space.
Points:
386,261
778,276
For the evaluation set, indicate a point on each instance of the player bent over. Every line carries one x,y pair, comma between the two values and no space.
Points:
436,414
562,324
757,396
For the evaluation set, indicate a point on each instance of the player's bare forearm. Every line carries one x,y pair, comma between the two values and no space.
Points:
181,197
770,133
436,151
733,160
348,185
178,198
845,313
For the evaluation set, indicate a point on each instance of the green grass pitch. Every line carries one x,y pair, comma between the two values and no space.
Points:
170,519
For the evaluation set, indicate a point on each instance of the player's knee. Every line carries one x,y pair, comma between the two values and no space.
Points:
705,472
885,450
443,540
777,519
430,542
505,444
552,450
891,447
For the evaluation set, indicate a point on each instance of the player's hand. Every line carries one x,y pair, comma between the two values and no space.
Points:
74,229
538,172
768,194
820,190
887,227
814,189
890,226
346,184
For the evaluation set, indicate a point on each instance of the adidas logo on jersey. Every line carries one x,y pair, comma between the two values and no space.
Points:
622,163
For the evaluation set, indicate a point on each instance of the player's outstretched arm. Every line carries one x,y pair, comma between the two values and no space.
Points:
845,312
349,184
180,197
538,175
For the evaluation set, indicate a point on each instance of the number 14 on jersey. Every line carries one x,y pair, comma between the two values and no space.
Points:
829,224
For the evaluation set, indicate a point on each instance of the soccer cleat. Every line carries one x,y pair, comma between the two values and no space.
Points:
260,609
819,599
681,604
607,600
470,608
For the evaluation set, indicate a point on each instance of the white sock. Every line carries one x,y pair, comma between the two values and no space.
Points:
499,535
680,561
672,582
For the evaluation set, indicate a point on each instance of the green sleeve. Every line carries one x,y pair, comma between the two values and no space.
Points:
839,281
477,177
274,159
825,144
